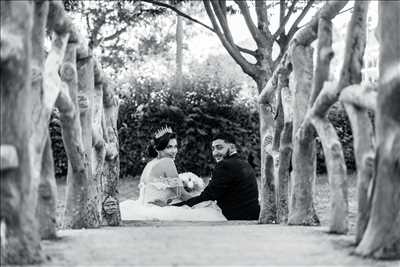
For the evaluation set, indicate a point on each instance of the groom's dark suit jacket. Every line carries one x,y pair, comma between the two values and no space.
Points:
233,185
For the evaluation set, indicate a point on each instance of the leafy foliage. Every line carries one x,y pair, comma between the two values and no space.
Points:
108,25
57,146
71,5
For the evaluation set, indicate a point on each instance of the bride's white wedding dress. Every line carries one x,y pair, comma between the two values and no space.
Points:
157,190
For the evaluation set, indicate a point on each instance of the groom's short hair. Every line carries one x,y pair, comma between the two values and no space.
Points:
227,137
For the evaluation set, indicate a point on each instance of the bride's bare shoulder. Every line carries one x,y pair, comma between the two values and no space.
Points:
159,168
168,161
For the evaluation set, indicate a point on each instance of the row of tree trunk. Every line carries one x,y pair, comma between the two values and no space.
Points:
377,154
32,85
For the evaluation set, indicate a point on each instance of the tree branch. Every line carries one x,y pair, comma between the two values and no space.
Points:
222,5
294,27
247,51
282,7
232,49
225,27
255,32
99,22
354,51
285,19
114,35
324,57
52,83
157,3
266,94
222,21
360,96
308,33
262,17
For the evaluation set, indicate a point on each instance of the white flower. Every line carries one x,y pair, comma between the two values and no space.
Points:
191,182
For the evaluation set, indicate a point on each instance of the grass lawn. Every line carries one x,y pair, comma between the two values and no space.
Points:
128,189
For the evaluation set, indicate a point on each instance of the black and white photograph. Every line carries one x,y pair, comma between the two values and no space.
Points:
200,133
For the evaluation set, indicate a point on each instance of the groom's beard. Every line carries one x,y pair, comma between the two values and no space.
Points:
221,157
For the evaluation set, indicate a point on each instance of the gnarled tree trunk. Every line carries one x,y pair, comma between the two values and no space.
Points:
350,74
42,107
357,100
85,67
285,155
267,194
17,213
110,212
77,176
382,237
267,188
98,133
302,211
301,207
82,204
333,151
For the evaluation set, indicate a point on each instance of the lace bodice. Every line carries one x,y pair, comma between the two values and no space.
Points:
159,189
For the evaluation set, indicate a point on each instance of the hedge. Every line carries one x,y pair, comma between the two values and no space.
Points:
196,114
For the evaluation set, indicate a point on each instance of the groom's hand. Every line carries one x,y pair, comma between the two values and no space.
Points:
158,203
178,204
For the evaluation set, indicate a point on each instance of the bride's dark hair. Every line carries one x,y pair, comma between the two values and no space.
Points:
158,144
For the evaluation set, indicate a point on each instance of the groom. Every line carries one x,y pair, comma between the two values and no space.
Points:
233,184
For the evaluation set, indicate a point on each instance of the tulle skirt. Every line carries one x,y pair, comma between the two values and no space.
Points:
136,210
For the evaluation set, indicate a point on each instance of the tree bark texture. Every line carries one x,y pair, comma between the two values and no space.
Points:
85,67
76,214
278,128
98,133
47,195
363,135
381,238
46,89
17,213
334,158
361,124
111,214
324,55
304,212
278,119
354,50
301,211
360,96
42,108
308,34
353,57
337,173
285,157
267,194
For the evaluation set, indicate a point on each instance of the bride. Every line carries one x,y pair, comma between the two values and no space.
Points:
160,186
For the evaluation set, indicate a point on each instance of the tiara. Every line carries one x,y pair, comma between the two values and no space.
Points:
162,131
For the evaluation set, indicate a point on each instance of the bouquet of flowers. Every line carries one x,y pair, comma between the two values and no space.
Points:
191,182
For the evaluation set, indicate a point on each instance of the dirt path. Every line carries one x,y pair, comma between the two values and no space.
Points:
199,243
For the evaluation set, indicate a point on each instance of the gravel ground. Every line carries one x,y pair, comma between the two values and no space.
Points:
206,244
210,244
